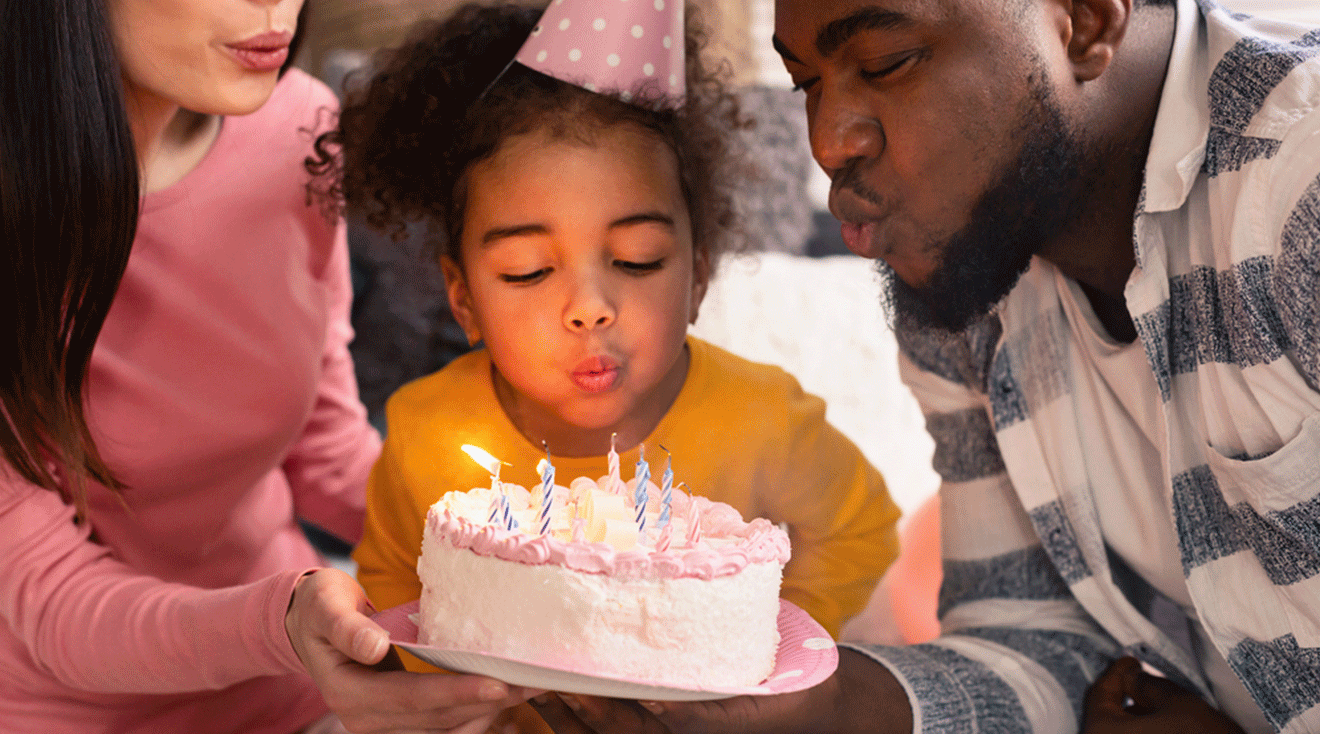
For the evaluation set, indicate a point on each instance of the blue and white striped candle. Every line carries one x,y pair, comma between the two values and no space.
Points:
666,489
643,476
509,522
547,471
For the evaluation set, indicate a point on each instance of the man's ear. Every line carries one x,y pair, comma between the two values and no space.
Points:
460,299
701,272
1097,28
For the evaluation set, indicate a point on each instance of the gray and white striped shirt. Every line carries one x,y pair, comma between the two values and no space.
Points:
1030,439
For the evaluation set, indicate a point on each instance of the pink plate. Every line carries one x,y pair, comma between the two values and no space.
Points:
806,657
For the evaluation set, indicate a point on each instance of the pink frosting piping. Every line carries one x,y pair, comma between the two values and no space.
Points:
760,542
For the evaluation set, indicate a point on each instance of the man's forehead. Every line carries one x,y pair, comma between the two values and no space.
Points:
827,24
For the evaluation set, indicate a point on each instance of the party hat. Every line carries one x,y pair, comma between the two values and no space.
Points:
610,45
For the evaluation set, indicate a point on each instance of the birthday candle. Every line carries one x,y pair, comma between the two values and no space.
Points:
509,522
613,458
642,475
662,543
547,471
491,464
666,489
694,524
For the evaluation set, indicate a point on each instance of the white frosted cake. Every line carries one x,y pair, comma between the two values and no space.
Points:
691,607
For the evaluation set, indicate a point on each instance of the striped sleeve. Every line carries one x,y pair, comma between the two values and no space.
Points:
1017,652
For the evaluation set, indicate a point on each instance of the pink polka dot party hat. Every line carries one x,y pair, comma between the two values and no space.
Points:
625,46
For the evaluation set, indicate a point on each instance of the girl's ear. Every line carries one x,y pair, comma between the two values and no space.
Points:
460,299
701,272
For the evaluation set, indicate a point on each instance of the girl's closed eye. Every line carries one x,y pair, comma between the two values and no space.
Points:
525,278
639,268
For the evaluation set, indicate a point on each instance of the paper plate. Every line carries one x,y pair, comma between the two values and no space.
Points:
806,657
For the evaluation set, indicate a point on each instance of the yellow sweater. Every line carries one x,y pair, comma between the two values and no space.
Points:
740,432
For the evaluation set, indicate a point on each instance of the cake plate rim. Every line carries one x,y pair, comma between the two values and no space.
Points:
807,655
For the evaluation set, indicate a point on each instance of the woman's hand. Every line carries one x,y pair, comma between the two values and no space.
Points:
1127,699
359,674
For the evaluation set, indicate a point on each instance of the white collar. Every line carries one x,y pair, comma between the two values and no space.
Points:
1177,146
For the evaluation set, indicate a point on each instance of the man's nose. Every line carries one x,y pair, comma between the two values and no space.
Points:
843,129
590,306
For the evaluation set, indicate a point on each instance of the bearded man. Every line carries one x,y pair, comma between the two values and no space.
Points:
1100,230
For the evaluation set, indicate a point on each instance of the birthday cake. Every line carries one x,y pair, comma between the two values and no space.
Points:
684,594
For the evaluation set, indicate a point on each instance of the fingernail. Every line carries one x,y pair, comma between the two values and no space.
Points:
654,707
491,691
571,702
542,699
369,644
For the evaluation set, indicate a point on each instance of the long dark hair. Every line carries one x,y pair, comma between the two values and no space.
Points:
69,196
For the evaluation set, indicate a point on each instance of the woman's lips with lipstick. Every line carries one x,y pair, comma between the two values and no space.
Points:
596,374
264,52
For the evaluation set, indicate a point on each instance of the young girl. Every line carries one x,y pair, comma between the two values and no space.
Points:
577,233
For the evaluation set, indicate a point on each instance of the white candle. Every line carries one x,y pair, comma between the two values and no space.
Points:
612,458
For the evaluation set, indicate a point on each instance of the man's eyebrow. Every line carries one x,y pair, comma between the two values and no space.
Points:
837,32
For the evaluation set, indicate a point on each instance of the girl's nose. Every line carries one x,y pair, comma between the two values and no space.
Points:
843,129
589,308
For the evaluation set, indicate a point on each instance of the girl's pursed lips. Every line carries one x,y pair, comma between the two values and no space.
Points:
596,373
596,364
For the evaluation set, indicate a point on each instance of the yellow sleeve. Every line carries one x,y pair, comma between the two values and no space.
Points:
841,519
391,541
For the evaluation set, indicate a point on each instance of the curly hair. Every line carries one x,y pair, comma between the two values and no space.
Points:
449,97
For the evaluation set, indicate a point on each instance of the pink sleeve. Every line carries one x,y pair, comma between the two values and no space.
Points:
97,625
329,464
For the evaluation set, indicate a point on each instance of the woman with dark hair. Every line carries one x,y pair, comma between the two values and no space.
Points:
177,390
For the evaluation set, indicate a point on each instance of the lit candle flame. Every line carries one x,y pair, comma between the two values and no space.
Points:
483,459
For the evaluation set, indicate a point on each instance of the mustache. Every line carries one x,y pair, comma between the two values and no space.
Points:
849,178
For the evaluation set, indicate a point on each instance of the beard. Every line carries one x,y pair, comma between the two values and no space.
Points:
1038,195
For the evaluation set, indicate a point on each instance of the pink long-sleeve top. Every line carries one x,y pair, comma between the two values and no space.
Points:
222,392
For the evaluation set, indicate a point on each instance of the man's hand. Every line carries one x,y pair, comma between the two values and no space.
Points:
573,714
1127,699
855,698
359,674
